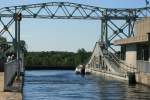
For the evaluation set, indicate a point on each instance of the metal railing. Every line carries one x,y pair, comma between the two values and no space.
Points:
10,70
125,67
143,66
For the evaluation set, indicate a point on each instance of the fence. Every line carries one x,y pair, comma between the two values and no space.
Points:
10,74
143,66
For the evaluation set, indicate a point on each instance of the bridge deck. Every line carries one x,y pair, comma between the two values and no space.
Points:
8,95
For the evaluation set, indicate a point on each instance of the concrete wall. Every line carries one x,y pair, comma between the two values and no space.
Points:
131,55
142,26
143,78
103,73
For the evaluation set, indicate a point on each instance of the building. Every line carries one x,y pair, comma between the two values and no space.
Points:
136,50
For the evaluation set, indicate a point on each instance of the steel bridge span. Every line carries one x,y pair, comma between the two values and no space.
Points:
104,51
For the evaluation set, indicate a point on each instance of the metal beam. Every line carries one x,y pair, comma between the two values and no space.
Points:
66,10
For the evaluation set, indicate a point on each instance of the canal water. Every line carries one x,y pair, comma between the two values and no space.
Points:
65,85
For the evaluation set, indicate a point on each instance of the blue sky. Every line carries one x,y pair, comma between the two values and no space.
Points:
65,35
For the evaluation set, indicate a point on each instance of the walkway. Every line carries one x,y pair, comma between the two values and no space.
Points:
7,95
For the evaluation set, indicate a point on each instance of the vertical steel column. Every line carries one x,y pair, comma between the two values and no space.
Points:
104,31
17,40
16,33
129,29
16,44
18,47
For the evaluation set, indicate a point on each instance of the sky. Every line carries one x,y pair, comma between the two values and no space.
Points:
65,35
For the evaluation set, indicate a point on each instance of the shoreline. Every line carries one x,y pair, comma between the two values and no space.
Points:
39,67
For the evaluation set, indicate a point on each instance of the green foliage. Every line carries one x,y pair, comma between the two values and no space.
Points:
23,46
3,44
55,58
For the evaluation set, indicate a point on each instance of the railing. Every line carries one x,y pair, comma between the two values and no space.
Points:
10,70
110,60
143,66
123,65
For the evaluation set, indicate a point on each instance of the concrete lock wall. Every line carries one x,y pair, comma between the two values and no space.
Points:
143,78
131,55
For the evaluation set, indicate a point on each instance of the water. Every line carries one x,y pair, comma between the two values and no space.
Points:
65,85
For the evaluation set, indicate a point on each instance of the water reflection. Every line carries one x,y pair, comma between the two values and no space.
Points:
65,85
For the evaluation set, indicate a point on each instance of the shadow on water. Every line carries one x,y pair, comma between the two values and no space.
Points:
65,85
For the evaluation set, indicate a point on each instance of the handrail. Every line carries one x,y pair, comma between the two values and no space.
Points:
118,61
110,60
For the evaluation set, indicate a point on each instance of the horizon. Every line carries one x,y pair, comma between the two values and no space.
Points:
62,51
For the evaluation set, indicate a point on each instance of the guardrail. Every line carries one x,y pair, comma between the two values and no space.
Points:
10,70
143,66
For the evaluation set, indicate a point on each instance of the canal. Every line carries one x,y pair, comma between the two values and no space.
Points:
65,85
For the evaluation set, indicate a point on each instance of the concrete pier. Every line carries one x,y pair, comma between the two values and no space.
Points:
143,78
103,73
131,78
8,95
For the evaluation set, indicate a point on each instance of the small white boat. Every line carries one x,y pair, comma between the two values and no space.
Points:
87,71
79,69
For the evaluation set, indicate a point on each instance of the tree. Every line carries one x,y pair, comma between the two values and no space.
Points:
3,43
55,58
81,55
23,46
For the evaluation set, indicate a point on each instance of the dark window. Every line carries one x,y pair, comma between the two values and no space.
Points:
143,52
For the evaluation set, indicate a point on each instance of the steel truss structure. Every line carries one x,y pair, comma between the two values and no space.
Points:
115,23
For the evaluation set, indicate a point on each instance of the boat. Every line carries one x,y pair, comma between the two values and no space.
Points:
79,70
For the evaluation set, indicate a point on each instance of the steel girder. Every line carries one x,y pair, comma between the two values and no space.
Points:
66,10
110,29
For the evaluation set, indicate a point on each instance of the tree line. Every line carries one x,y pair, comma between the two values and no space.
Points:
56,58
49,58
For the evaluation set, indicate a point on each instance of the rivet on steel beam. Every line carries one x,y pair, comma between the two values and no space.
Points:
43,5
121,30
70,15
62,3
35,15
52,16
23,7
5,28
79,5
93,10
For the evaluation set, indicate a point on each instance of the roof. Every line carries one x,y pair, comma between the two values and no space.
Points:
132,40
